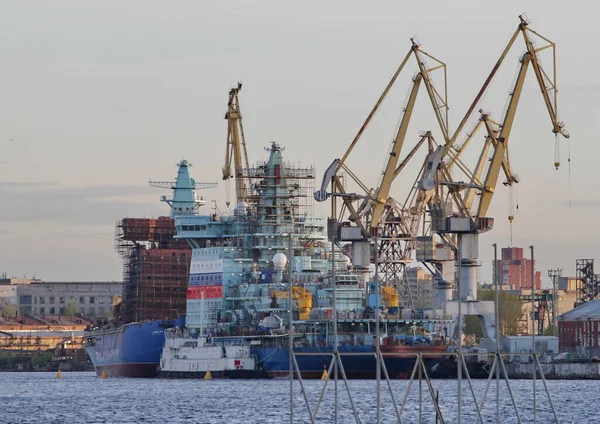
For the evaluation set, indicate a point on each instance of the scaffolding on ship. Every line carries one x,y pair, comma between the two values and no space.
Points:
155,270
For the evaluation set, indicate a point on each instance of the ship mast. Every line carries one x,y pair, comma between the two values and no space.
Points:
185,201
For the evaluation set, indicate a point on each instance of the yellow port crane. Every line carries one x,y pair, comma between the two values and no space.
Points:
378,215
377,211
469,218
371,212
236,146
498,133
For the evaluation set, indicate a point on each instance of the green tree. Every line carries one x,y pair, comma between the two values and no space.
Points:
549,331
71,308
509,308
7,309
473,326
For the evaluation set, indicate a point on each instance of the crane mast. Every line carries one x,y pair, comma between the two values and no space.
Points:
236,146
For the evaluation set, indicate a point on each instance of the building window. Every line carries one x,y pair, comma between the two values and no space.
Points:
52,311
92,299
52,300
35,300
61,300
42,310
82,300
91,312
101,300
42,300
101,310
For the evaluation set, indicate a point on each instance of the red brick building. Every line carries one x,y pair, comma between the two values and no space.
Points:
514,271
580,326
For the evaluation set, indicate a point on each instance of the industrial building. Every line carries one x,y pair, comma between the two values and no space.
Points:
514,271
51,298
580,326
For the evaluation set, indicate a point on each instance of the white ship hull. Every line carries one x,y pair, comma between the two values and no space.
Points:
193,357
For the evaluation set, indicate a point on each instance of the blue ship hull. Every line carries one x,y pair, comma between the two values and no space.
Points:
132,350
274,361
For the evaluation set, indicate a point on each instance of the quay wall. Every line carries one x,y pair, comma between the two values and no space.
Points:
556,371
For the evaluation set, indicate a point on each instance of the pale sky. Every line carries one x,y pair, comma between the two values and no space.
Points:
98,97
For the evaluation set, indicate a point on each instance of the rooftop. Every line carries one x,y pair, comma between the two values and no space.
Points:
589,310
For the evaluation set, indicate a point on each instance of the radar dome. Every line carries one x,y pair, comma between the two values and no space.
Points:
279,261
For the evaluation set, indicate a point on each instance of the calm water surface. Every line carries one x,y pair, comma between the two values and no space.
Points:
84,398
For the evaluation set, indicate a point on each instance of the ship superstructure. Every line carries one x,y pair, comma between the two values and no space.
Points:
240,260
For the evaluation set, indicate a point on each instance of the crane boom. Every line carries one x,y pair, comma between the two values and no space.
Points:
438,103
383,192
477,172
236,145
502,140
551,104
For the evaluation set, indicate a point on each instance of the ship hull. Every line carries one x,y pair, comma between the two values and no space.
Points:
227,374
359,361
129,370
132,350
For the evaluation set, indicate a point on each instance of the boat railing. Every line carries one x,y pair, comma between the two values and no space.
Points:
104,331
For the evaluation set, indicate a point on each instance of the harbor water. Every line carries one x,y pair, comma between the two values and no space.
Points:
85,398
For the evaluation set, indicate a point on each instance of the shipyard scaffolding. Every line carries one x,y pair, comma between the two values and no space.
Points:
588,283
275,217
278,200
155,272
